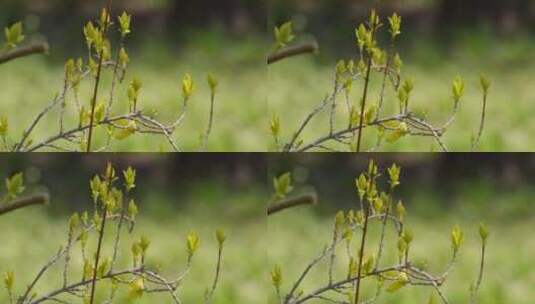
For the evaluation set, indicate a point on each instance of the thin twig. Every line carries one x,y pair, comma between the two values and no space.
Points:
475,144
210,122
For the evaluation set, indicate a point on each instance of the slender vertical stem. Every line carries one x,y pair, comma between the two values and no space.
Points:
97,257
363,105
114,79
117,238
383,232
217,274
482,265
97,81
385,75
333,253
333,110
481,124
361,254
210,122
67,258
480,276
109,179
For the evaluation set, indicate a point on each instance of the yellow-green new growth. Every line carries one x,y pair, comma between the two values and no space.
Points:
187,86
274,125
362,185
104,19
458,89
129,178
283,185
14,35
220,236
395,25
485,84
94,184
276,276
483,232
132,209
144,243
456,238
136,288
212,82
284,34
74,221
124,23
103,267
393,173
15,185
124,59
9,280
400,210
192,243
399,283
4,125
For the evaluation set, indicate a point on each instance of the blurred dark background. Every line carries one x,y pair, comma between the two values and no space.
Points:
61,21
501,183
441,20
161,178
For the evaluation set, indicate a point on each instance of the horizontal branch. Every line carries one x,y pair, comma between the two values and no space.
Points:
35,48
307,199
37,199
305,48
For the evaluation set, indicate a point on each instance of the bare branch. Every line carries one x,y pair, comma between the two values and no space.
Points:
307,199
37,199
32,49
305,48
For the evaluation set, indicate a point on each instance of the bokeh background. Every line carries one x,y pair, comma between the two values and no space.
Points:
169,38
439,191
175,194
440,40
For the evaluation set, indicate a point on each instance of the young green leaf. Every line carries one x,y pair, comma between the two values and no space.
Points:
192,243
284,34
124,23
456,238
15,185
276,276
187,86
283,185
4,125
14,35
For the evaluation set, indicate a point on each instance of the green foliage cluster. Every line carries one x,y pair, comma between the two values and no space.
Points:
368,262
100,115
364,111
114,203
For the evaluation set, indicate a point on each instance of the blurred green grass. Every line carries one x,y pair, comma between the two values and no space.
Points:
296,237
298,85
27,247
30,83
